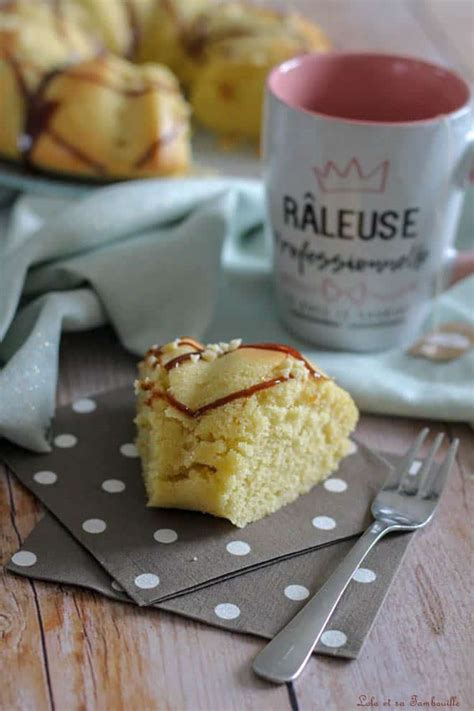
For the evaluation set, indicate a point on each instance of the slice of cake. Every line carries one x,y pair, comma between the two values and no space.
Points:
237,430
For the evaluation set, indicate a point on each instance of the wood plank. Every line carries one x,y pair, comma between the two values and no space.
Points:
420,642
23,664
110,655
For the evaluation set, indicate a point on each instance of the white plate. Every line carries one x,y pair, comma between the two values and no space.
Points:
240,162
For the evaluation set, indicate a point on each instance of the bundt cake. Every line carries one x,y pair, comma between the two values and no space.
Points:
231,49
236,430
119,23
33,41
139,118
164,38
221,53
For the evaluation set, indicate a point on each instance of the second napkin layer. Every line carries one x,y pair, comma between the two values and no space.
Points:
91,481
259,602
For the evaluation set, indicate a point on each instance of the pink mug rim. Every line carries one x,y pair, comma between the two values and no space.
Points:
313,56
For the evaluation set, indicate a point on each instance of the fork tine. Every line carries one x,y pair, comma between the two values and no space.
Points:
399,471
434,484
419,482
408,458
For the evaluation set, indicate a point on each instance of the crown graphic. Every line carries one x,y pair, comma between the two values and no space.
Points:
351,178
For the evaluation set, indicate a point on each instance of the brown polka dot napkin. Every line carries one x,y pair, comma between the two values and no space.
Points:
259,602
91,482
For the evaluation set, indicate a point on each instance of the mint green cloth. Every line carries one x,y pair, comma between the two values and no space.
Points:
162,258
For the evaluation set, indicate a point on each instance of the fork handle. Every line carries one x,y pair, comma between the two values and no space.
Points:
284,658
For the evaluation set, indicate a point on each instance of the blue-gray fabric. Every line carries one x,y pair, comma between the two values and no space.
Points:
163,258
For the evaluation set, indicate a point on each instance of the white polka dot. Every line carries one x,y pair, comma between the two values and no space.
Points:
94,525
65,440
415,467
45,478
165,535
84,405
129,450
24,559
364,575
296,592
227,611
116,586
113,486
352,447
333,638
147,581
325,523
238,548
335,485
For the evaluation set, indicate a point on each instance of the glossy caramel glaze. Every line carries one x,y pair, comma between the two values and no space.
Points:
150,152
239,394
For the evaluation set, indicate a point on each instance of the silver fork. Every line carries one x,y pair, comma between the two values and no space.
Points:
407,501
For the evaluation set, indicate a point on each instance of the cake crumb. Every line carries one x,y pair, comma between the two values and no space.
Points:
209,355
215,347
170,347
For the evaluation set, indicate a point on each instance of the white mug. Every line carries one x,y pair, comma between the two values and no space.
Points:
366,158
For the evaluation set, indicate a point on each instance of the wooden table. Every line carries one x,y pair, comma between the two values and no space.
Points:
69,650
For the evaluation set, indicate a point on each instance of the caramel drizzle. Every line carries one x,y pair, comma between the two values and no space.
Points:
196,40
191,342
280,348
247,392
132,93
77,152
239,394
165,139
40,113
175,362
156,351
198,35
134,29
18,74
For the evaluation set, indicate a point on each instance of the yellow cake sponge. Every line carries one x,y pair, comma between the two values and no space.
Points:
237,430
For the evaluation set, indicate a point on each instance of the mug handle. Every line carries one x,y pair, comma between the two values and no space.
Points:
462,267
462,264
470,155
